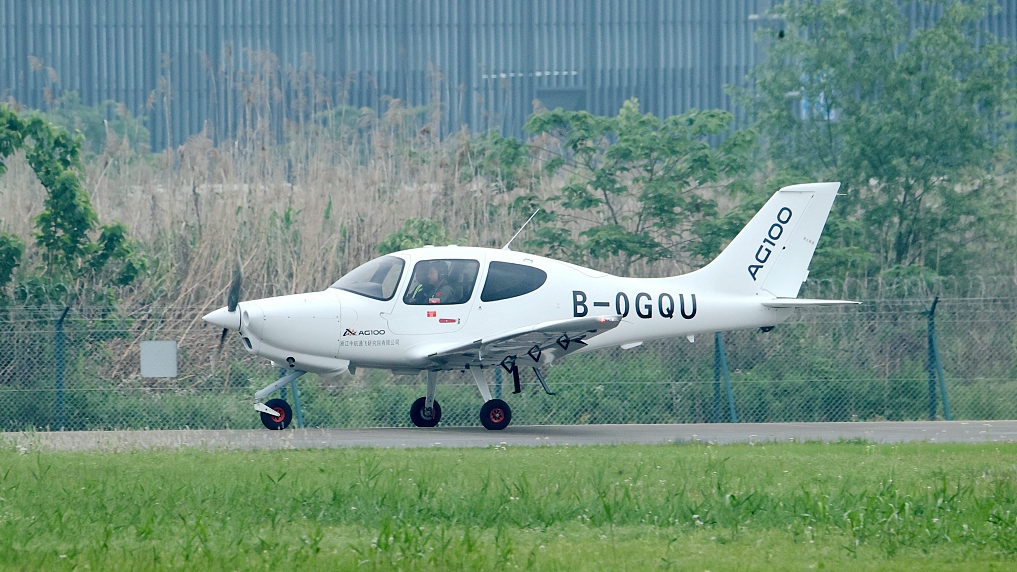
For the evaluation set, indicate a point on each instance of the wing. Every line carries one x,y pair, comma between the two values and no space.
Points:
536,344
804,303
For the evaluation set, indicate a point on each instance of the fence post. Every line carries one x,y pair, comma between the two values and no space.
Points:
296,405
716,379
720,367
936,368
59,349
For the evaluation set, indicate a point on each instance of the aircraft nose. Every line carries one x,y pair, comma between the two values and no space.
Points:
224,318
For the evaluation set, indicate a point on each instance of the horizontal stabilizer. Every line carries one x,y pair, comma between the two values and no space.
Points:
805,303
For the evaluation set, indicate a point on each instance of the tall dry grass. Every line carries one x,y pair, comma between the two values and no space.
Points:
302,192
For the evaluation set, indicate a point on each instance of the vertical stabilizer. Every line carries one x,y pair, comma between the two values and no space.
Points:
772,253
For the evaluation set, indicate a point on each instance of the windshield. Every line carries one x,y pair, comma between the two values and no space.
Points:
376,279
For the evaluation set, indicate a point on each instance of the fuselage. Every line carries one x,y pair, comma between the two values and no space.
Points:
384,315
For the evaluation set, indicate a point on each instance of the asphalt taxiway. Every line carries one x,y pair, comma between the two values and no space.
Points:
544,435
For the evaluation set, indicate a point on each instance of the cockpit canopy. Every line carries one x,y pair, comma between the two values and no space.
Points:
441,280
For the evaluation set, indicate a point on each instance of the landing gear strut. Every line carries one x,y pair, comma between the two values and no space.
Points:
495,414
425,412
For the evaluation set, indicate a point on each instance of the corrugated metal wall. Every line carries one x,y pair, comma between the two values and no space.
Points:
233,65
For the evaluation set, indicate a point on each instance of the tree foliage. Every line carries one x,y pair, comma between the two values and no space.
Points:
910,115
98,124
415,232
11,250
68,221
640,188
504,161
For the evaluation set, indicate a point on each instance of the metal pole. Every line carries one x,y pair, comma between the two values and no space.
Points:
497,383
716,376
936,368
296,404
60,369
719,349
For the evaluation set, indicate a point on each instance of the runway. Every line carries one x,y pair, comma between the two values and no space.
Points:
529,436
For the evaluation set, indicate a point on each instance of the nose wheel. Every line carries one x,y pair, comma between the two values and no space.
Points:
423,418
495,415
281,419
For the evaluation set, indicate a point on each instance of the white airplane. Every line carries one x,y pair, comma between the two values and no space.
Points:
444,308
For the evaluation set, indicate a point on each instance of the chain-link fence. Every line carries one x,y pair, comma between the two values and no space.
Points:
869,362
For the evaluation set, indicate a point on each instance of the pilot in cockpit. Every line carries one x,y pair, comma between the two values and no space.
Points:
431,285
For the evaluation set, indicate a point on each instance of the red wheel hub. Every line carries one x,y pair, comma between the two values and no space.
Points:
279,418
497,415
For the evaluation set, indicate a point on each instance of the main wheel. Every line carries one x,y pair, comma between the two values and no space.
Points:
283,415
495,415
418,417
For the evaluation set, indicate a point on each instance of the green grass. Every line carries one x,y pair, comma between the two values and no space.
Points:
688,507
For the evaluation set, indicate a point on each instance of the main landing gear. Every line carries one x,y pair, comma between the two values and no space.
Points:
495,414
423,416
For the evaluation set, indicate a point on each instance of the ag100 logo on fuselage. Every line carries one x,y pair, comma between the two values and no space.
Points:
643,304
352,332
776,230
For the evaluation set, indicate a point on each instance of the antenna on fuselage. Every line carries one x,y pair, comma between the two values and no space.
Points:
506,247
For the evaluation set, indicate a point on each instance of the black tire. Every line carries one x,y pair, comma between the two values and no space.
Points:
280,421
495,415
417,413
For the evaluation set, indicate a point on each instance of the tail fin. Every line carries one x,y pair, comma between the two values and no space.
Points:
772,253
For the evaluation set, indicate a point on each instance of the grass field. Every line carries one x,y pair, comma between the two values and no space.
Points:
788,506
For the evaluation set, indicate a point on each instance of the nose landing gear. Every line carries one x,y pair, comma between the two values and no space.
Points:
282,416
276,414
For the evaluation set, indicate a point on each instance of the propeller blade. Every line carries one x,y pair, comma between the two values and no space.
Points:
221,318
233,298
222,341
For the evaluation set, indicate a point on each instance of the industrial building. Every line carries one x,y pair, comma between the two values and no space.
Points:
224,65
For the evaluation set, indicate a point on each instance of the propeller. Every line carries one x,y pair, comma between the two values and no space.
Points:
233,298
232,301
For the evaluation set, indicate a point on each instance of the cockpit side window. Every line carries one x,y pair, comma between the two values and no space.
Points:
506,280
442,282
376,279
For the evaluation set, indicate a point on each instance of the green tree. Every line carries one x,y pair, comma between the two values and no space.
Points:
11,249
69,255
415,232
98,123
640,189
910,118
503,161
